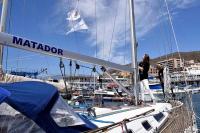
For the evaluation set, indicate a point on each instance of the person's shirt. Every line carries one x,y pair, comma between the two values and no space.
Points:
144,73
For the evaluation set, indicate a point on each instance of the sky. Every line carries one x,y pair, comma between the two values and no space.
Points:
108,36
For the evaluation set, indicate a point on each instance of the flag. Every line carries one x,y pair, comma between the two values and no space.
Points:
76,23
79,26
73,15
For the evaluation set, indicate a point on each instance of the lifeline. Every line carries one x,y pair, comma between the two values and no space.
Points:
37,46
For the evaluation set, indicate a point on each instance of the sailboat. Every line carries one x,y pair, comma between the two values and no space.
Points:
34,106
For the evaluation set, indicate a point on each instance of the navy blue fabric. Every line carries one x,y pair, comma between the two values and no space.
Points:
3,94
35,100
29,97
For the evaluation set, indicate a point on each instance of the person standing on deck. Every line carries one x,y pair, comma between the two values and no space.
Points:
144,66
161,77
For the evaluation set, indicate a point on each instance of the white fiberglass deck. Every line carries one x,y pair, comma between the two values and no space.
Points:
108,116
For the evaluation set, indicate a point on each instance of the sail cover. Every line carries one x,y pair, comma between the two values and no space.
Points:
41,103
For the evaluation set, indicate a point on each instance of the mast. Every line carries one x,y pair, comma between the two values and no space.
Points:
133,48
2,29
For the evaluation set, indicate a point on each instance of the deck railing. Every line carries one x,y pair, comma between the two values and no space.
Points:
180,120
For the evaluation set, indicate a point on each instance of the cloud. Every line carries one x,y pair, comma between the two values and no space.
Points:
113,24
109,27
182,4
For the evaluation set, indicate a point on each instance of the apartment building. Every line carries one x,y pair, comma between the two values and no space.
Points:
173,64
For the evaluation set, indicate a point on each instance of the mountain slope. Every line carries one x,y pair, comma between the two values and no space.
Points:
193,55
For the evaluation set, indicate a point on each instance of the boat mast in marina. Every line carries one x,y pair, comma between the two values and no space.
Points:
2,29
133,48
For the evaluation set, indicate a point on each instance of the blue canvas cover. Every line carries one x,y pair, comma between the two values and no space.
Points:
30,97
3,94
36,100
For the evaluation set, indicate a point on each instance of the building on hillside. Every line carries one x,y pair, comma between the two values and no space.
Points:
173,64
153,71
194,69
188,63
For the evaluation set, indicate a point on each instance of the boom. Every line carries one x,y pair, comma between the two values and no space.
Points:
30,45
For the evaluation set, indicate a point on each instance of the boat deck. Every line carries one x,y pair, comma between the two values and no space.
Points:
105,115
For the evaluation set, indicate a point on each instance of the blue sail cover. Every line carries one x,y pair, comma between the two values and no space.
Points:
3,94
30,97
36,100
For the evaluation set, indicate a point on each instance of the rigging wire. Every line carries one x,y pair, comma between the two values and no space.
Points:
9,30
76,8
104,37
125,37
68,92
113,31
72,76
95,8
104,41
77,67
172,28
155,41
70,73
63,72
167,31
176,42
164,31
174,36
170,38
23,29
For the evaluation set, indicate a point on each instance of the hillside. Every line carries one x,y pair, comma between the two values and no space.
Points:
193,55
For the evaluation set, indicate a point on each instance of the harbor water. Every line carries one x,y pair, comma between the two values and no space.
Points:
196,106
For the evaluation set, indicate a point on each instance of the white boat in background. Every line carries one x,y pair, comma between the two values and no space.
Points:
8,78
